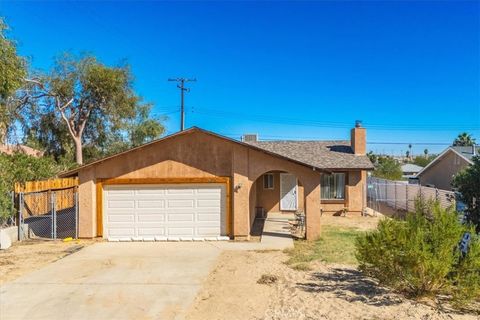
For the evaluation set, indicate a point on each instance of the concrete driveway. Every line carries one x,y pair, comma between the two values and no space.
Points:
113,281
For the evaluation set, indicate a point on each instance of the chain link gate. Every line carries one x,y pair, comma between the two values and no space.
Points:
51,214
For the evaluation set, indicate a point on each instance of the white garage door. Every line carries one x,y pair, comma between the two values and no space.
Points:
146,211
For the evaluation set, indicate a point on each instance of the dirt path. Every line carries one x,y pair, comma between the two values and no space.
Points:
329,292
26,256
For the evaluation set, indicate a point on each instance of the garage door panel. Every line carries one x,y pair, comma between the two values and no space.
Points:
151,204
179,231
121,232
208,190
179,191
121,204
151,231
121,192
159,217
208,203
180,217
181,203
206,217
165,210
149,191
207,231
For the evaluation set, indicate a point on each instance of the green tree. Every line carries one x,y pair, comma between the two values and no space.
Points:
12,73
388,168
464,139
467,183
95,103
423,161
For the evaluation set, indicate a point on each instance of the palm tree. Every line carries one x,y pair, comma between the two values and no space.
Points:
464,139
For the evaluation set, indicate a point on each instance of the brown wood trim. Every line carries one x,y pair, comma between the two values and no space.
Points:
228,199
165,180
116,181
99,195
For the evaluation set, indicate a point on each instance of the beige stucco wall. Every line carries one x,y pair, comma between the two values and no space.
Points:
197,155
440,174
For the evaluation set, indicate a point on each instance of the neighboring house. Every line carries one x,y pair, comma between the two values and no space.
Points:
196,183
409,170
440,172
12,148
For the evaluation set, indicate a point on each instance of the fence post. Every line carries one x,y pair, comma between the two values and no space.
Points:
76,214
395,195
20,216
436,194
54,216
406,197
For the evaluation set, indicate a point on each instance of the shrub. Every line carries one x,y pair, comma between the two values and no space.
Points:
420,256
20,167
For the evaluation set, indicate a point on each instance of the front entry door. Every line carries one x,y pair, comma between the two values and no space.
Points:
288,192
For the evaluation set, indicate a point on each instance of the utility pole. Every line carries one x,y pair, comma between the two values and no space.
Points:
181,86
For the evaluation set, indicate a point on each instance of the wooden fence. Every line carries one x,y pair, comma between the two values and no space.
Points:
38,199
44,185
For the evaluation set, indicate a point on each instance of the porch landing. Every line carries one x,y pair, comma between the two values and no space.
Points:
276,231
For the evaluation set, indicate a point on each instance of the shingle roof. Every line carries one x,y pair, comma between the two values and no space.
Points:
320,154
410,167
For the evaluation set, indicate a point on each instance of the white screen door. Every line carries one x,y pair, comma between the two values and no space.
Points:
288,192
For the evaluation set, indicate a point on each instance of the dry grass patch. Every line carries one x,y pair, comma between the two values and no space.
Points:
336,245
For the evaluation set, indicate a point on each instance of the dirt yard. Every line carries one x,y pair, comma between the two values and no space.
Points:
26,256
328,291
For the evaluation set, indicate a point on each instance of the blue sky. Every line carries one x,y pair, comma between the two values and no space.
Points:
409,70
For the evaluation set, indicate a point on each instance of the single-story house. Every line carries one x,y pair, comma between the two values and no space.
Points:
440,172
196,183
409,170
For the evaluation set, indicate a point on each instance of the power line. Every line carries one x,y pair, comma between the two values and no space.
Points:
313,123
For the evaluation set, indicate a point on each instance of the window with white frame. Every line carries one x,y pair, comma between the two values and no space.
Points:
333,186
268,181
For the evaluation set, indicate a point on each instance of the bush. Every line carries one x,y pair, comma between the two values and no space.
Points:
420,256
467,182
20,167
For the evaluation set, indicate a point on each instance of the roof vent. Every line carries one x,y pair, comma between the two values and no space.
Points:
250,137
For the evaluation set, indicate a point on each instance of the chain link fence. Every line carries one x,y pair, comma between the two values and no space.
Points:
7,209
397,197
51,214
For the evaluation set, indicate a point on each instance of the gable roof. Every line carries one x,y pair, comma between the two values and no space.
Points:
326,155
455,150
303,153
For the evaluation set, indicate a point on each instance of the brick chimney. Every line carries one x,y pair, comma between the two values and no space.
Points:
358,139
